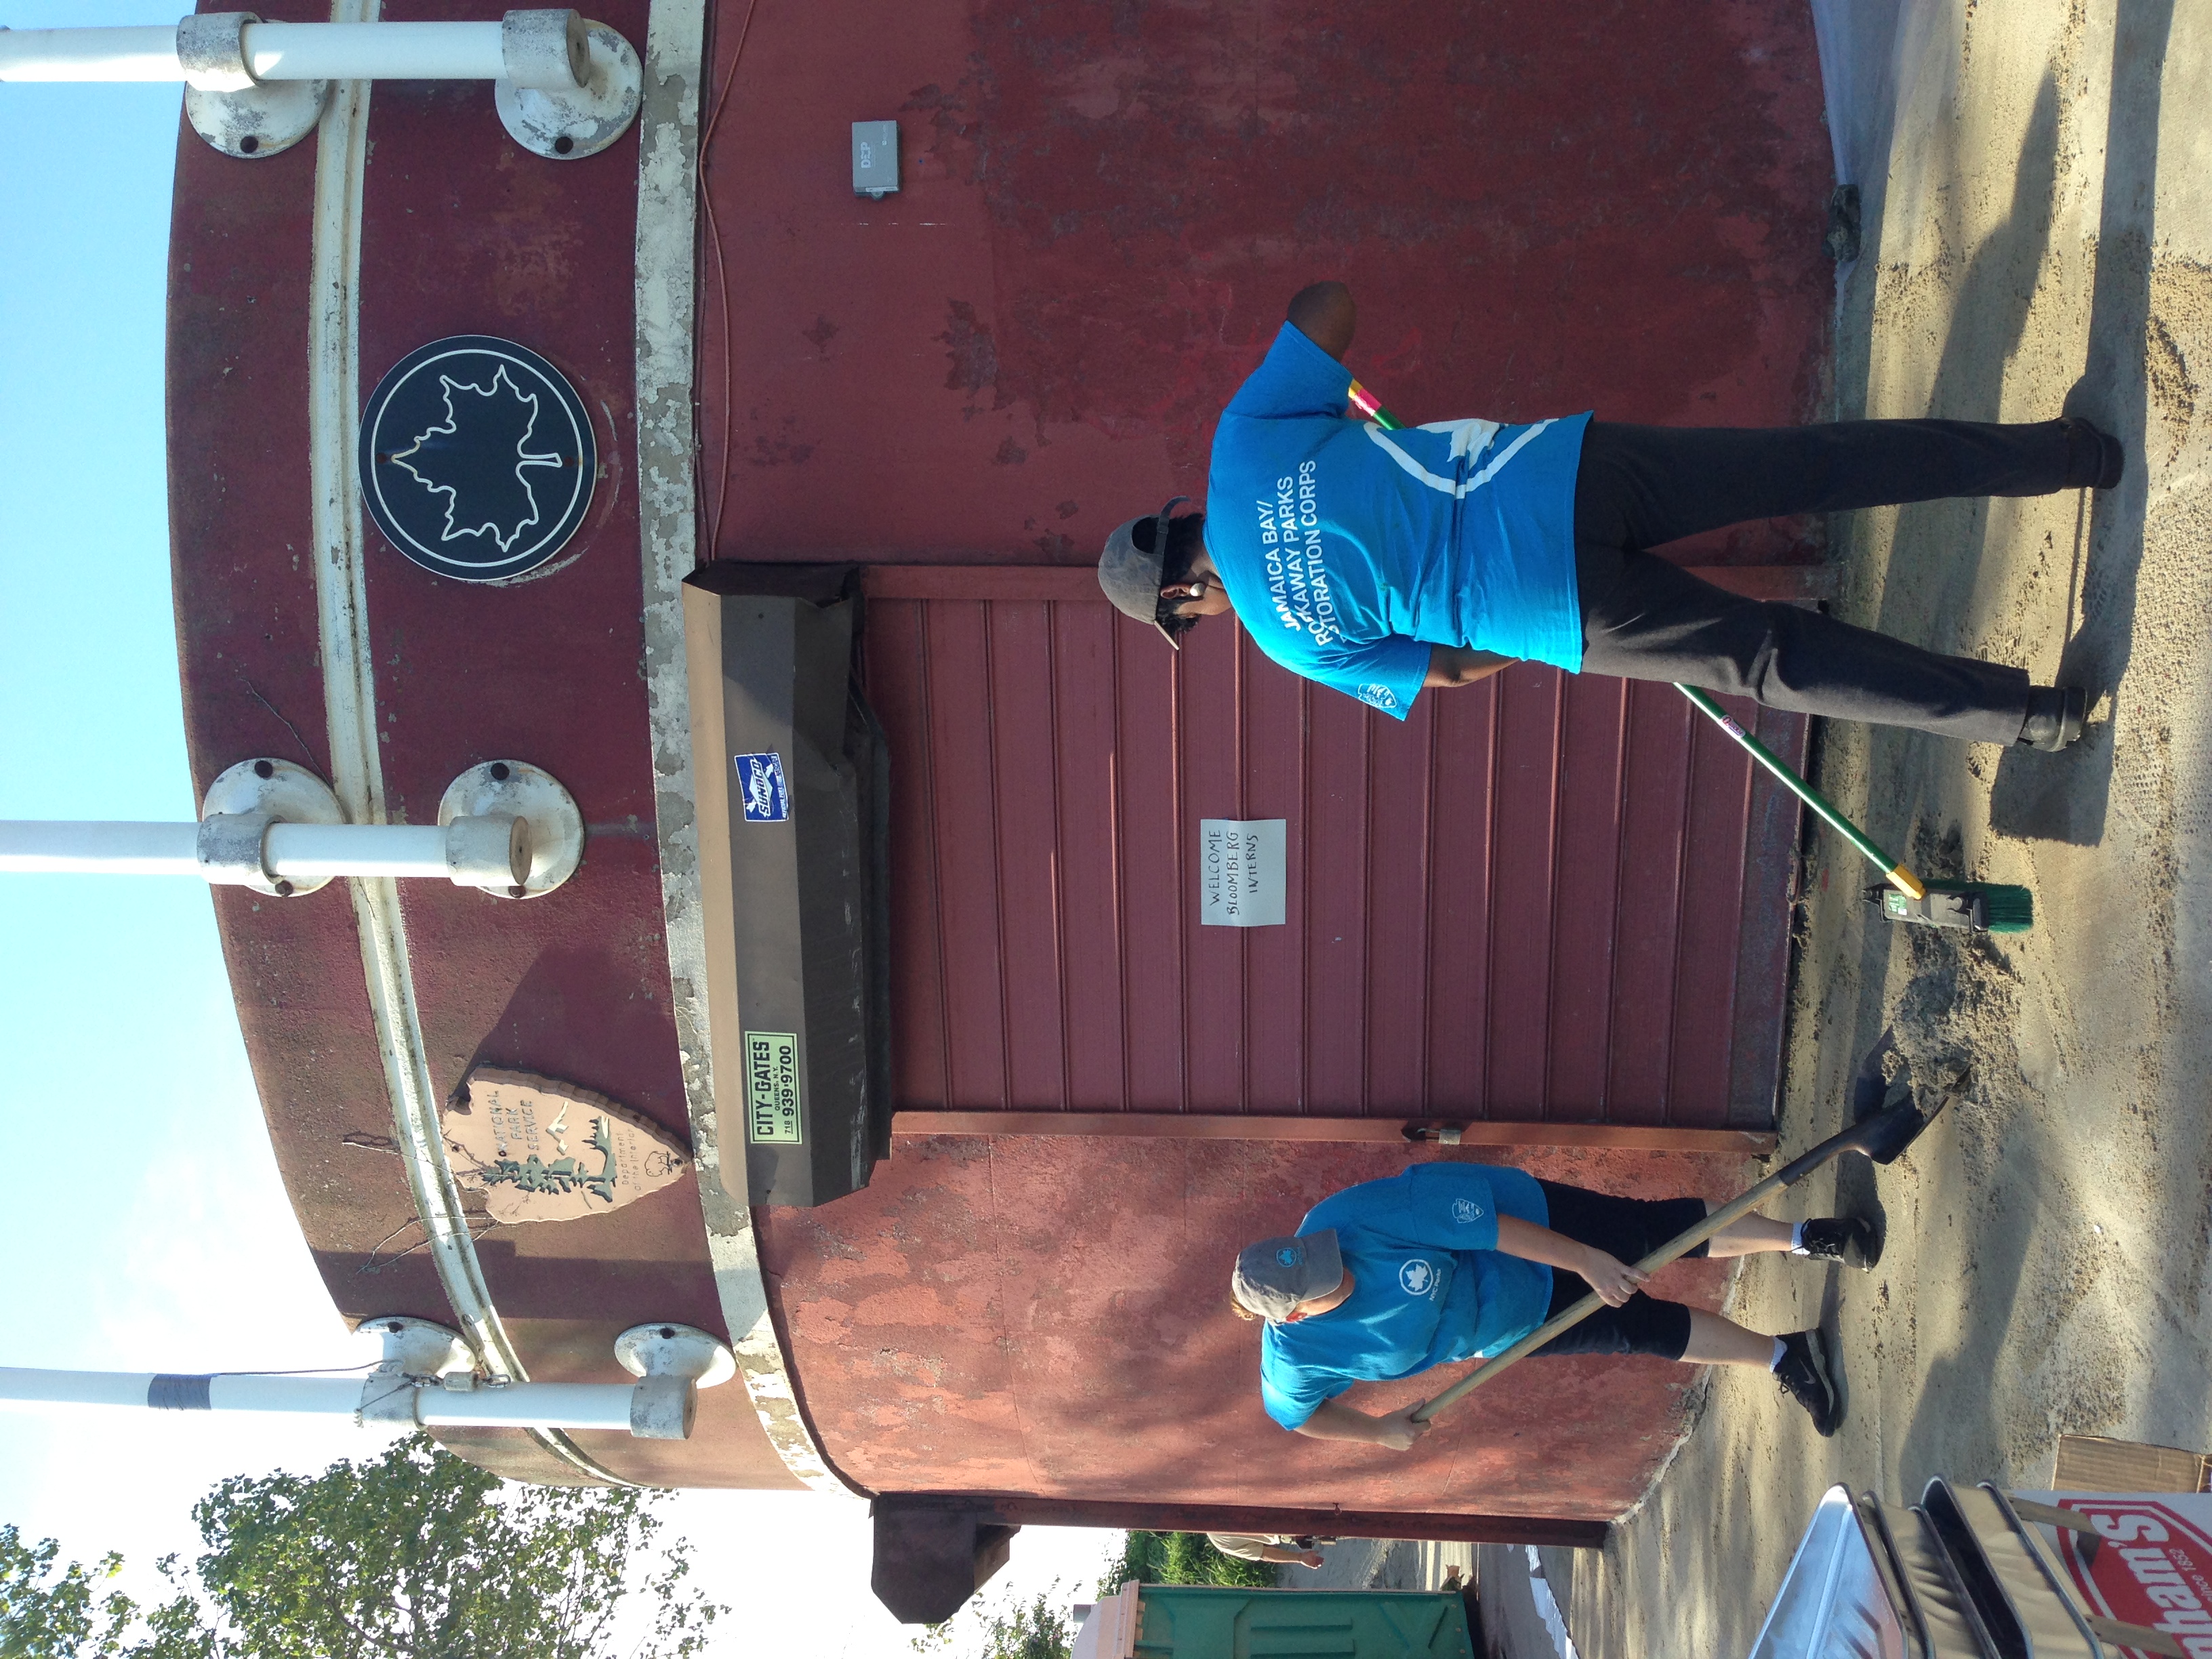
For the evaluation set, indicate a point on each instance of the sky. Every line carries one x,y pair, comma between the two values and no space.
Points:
146,1226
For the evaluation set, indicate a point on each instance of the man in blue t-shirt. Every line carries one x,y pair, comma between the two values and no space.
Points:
1446,1262
1382,562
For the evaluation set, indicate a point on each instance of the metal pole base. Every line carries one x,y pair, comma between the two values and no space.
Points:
567,127
672,1364
418,1347
264,120
518,789
273,789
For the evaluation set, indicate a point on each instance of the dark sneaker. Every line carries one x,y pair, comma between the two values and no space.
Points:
1803,1375
2054,716
2095,458
1848,1239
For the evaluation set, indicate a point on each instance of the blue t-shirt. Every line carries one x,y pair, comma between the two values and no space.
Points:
1429,1284
1348,550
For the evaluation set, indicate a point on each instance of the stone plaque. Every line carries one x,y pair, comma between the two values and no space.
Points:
540,1150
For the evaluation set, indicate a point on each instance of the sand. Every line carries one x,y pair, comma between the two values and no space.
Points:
2043,237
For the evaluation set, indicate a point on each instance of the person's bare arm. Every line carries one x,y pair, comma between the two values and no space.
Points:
1334,1420
1614,1281
1324,313
1276,1553
1461,665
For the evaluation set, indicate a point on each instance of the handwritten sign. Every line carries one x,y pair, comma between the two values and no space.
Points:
1242,866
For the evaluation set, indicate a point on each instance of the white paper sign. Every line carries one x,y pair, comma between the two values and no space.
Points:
1240,872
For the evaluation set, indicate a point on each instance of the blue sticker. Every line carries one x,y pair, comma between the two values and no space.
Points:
767,797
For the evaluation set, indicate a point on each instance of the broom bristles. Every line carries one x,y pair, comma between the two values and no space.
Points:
2005,909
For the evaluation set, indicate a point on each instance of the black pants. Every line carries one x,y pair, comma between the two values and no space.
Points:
1628,1230
1646,619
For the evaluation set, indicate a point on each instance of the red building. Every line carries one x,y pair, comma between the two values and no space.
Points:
1037,1101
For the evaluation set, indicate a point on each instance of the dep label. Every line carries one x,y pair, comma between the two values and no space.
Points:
772,1087
1240,872
761,786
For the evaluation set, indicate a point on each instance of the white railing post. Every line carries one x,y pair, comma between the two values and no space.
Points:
504,828
425,1381
566,87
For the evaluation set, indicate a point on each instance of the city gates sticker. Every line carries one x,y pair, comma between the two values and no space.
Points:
772,1088
1240,872
477,458
762,788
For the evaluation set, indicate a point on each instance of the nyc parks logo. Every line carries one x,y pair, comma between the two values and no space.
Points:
476,458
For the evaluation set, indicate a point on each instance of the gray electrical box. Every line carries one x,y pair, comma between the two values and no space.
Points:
875,158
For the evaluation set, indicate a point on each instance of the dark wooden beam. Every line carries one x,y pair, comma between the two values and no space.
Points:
1012,1509
1201,1126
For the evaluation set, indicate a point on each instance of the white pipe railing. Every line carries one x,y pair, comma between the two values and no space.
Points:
520,49
116,54
317,851
111,849
382,1396
493,850
376,51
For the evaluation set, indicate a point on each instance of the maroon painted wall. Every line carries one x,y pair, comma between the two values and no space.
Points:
463,232
1546,896
1541,209
1542,898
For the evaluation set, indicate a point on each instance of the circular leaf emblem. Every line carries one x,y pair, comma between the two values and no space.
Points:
1288,1257
477,458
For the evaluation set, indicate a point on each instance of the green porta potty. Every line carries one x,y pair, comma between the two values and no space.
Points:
1175,1621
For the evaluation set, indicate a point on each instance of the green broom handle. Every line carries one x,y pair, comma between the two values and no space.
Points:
1898,875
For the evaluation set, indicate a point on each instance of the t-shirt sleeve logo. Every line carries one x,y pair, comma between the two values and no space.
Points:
1466,1209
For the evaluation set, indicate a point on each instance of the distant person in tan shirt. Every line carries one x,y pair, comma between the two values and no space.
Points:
1269,1546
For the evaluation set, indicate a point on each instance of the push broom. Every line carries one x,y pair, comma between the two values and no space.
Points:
1980,906
1883,1137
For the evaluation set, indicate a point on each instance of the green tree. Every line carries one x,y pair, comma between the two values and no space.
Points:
49,1610
411,1555
1179,1557
1015,1629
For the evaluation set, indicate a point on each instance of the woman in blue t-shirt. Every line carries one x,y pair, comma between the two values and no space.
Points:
1382,562
1449,1262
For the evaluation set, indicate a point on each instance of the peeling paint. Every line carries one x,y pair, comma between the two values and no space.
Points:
667,185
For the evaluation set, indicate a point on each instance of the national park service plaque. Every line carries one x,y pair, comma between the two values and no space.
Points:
540,1150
